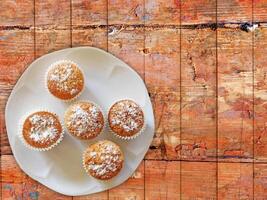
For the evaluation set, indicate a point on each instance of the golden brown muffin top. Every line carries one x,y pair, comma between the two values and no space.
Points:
126,118
41,129
103,160
65,80
84,120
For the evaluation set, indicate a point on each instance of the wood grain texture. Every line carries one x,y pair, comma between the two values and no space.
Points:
198,12
260,11
235,95
162,77
131,13
260,181
89,12
198,84
48,41
235,181
133,188
127,43
162,180
230,11
260,95
198,180
17,13
96,37
52,14
16,53
17,185
161,12
96,196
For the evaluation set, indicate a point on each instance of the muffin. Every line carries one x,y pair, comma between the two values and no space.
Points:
84,120
65,80
41,130
126,119
103,160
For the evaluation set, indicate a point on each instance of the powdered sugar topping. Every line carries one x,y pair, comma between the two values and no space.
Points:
127,115
61,74
106,159
43,128
84,120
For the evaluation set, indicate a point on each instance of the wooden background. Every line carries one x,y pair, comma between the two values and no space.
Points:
206,73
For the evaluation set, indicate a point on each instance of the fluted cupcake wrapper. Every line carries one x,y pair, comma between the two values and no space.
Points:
127,137
101,110
46,86
87,170
21,122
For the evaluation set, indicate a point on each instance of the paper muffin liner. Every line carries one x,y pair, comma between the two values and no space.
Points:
46,75
21,122
127,137
101,110
87,171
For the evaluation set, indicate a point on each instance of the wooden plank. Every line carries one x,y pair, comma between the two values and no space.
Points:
16,13
126,12
49,40
96,37
260,95
260,11
235,181
96,196
260,181
16,53
52,14
17,185
198,12
235,98
87,12
133,188
162,77
162,180
198,180
234,11
50,17
198,131
127,43
161,12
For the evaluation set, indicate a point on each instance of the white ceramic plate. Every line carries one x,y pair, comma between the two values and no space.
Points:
108,79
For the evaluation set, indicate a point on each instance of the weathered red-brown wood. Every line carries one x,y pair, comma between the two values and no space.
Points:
260,181
96,37
96,196
52,26
198,69
260,95
16,52
198,180
235,181
162,180
235,95
87,12
234,11
52,14
260,11
198,12
162,77
132,12
161,12
133,188
17,185
127,43
17,13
